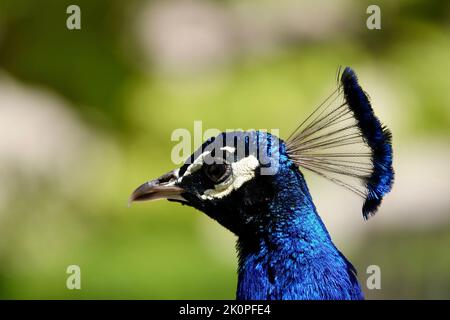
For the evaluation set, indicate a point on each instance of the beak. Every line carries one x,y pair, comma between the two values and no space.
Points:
162,188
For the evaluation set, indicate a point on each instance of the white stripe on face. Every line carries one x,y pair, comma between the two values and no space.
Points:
228,149
196,165
242,171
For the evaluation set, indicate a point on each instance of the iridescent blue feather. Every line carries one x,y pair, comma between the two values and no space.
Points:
376,136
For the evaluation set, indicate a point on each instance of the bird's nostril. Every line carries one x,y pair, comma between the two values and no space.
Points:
168,177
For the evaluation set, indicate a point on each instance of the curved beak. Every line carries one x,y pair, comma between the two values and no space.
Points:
162,188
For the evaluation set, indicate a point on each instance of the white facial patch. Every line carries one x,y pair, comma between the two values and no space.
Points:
228,149
241,172
196,165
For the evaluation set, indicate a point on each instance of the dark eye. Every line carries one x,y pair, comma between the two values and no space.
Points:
217,172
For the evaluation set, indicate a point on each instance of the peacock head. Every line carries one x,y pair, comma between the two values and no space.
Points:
232,178
245,180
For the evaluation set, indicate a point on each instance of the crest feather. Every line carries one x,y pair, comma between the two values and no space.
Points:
343,141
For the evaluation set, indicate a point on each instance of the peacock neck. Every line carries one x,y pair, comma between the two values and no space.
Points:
292,256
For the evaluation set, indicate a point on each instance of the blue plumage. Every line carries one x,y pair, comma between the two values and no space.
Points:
251,184
291,255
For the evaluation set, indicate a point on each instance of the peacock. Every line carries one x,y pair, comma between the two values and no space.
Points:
252,183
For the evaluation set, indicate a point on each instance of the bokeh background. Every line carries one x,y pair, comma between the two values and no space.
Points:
87,115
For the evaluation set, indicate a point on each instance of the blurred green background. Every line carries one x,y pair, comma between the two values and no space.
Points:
87,115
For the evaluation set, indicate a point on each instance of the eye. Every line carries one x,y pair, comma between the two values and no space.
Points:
217,172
